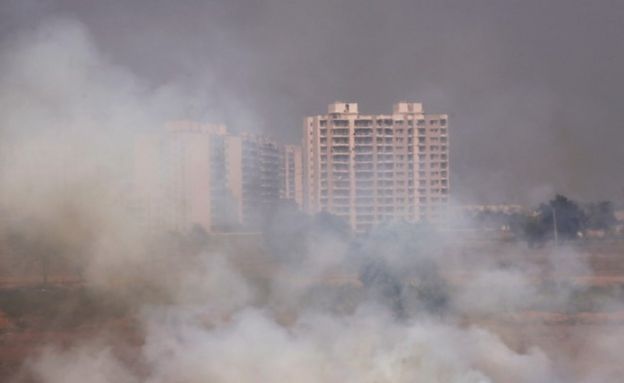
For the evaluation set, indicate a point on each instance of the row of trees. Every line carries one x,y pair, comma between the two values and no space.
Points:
558,219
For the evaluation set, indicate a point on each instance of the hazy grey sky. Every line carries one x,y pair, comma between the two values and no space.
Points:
533,87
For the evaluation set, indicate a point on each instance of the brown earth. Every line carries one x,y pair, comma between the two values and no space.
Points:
64,313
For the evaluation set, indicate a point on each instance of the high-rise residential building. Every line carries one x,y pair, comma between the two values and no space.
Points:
188,174
198,174
253,176
292,176
370,169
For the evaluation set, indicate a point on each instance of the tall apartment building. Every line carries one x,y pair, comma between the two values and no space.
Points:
292,178
198,174
181,175
253,176
369,169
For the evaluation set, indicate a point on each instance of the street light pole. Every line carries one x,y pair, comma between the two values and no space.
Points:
555,229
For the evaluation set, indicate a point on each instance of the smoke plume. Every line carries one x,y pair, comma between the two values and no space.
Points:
405,303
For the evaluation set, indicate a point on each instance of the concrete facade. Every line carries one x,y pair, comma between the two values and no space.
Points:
292,179
370,169
253,176
198,174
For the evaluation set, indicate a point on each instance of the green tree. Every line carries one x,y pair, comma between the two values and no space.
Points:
561,214
564,214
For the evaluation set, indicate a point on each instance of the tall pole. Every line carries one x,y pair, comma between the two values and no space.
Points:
555,229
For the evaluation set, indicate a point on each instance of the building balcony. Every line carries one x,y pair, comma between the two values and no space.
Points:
340,158
340,133
340,148
340,140
340,123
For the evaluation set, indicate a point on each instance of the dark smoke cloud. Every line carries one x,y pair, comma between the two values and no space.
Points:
532,87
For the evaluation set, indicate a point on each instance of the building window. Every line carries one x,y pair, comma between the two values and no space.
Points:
341,123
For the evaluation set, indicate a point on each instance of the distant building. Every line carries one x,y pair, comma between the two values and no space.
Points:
253,176
619,226
180,175
369,169
198,174
292,179
500,208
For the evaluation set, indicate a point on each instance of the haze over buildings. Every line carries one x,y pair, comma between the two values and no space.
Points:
293,174
536,84
192,174
370,169
529,89
365,169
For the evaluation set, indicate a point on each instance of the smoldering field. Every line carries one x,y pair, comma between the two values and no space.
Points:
297,303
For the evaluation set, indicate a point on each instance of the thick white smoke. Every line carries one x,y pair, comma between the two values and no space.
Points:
417,312
252,347
68,123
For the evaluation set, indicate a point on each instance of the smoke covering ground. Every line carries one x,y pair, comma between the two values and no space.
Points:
68,118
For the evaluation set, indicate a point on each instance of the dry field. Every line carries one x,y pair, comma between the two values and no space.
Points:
65,312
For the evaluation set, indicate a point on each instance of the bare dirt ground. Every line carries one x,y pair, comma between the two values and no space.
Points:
64,312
